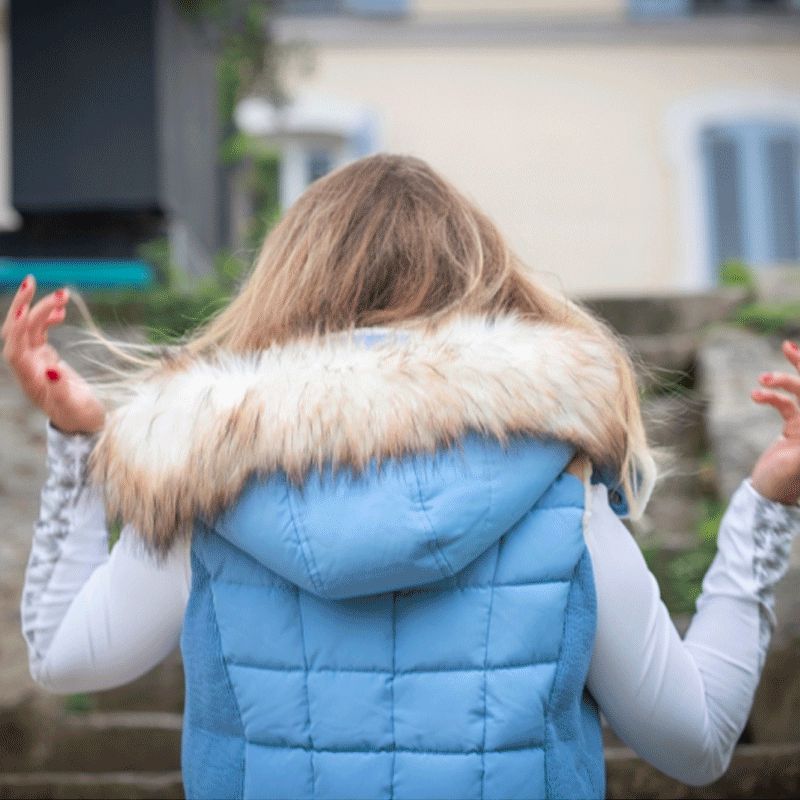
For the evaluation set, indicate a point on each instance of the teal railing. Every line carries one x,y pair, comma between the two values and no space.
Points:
89,273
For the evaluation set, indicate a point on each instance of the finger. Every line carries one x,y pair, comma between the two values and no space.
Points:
49,309
23,296
792,352
781,380
785,405
15,325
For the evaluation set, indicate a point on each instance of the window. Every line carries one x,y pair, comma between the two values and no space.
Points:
703,6
319,162
660,8
678,8
752,172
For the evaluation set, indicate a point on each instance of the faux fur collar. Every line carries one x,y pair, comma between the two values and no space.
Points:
185,443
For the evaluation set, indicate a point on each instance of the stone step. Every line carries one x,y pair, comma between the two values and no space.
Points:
668,313
756,770
96,741
764,771
161,689
90,786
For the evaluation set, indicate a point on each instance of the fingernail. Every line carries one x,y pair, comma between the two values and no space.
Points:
794,346
18,312
59,293
765,376
23,284
52,374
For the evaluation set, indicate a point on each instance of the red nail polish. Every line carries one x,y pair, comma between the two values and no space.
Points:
18,312
794,346
52,374
59,294
23,284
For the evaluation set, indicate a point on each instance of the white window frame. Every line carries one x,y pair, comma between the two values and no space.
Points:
682,131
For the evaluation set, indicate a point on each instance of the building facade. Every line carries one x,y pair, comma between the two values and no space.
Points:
109,140
624,146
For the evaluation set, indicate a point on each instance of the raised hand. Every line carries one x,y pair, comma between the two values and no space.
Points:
776,474
52,384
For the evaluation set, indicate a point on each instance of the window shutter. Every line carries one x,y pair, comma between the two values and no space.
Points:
724,196
783,173
659,8
377,7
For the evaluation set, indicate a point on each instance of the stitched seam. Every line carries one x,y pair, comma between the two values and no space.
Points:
471,751
485,668
229,684
559,669
308,558
394,654
421,589
308,699
438,555
418,671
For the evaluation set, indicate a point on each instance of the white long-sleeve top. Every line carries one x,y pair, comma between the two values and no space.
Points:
94,620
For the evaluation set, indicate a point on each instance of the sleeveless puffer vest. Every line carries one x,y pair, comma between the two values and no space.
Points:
393,599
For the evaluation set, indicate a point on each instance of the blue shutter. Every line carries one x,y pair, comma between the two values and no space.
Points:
724,198
319,162
783,169
377,7
659,8
753,201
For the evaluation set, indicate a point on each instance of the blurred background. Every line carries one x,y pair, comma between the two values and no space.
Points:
643,156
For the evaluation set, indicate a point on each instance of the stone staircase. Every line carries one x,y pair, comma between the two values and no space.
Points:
126,742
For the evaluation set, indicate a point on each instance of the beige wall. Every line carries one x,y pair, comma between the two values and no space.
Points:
551,7
567,147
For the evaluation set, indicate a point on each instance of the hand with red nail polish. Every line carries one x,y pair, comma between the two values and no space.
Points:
776,474
52,384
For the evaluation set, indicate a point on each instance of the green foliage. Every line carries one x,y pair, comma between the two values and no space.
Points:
178,302
763,317
680,576
737,273
78,703
770,318
114,530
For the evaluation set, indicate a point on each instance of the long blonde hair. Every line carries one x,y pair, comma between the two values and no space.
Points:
382,241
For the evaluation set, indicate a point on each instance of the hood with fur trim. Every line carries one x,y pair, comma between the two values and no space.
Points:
185,444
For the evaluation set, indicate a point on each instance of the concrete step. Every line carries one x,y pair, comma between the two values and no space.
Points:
764,771
667,313
161,689
96,741
91,786
756,770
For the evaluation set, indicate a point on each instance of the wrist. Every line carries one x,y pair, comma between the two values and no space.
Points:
783,494
67,432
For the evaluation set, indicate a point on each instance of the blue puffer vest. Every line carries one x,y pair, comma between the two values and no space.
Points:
419,632
391,593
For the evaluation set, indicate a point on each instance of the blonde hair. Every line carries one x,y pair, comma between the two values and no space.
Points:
382,241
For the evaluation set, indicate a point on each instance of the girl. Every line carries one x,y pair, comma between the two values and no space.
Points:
377,501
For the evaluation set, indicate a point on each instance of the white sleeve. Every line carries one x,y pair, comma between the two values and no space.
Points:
92,620
682,704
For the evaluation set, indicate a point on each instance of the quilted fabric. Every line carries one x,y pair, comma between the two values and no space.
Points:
422,630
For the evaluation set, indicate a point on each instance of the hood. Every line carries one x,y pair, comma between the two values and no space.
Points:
315,413
413,521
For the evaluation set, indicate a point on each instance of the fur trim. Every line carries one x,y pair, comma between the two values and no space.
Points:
186,442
